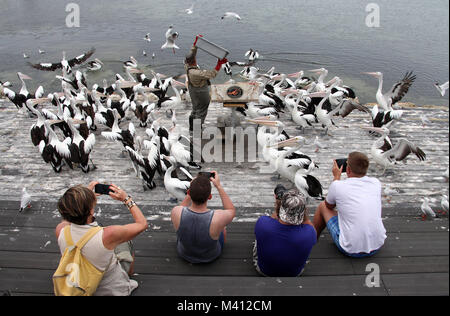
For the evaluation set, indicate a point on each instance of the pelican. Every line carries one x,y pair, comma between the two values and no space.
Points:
426,209
174,185
95,65
385,118
143,109
347,106
442,88
65,64
5,84
384,153
179,152
231,15
53,151
171,36
117,134
290,160
81,148
147,166
308,184
170,102
103,115
254,111
320,84
302,120
20,99
397,92
132,63
38,131
252,55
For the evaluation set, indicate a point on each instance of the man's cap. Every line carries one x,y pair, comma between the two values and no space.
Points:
293,206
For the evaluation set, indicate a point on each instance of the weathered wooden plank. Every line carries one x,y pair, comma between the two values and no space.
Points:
423,284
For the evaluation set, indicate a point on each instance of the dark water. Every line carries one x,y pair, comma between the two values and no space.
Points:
291,35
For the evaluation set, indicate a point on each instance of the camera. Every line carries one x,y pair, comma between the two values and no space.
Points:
207,174
279,191
342,162
102,189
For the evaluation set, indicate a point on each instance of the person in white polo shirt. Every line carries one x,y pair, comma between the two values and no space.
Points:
352,210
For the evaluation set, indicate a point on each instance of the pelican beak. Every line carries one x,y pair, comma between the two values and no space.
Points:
265,122
135,71
294,75
287,143
127,84
99,61
178,83
373,74
317,95
25,77
41,100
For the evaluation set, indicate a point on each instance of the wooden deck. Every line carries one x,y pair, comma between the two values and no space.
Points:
414,260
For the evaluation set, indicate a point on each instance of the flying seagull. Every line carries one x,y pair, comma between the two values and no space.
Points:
190,10
171,36
441,88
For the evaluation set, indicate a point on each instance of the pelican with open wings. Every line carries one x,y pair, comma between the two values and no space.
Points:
385,153
64,63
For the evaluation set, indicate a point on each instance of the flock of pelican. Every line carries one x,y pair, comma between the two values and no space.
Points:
64,133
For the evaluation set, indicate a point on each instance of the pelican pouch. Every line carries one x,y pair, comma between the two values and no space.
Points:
75,275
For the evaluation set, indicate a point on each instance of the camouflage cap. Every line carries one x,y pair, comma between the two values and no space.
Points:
293,206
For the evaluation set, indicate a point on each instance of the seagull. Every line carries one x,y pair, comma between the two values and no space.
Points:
252,54
231,15
144,53
425,120
41,51
25,201
190,10
441,88
171,36
426,209
444,204
318,144
25,56
147,37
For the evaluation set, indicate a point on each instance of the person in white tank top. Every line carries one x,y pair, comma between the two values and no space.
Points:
109,245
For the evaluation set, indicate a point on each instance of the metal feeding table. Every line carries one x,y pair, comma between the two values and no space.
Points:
235,95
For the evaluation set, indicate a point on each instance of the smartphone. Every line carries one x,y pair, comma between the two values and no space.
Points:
102,189
207,174
342,162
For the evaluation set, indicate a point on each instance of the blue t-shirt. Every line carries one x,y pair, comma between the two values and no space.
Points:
283,249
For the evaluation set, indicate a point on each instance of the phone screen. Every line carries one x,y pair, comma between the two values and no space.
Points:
102,189
342,162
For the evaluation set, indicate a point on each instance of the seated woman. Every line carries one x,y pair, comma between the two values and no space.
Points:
285,239
76,207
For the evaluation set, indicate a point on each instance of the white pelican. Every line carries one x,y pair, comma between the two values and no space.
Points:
147,166
171,36
309,185
320,84
442,88
174,185
53,150
126,137
385,154
252,55
290,160
5,84
397,92
64,64
385,118
80,148
20,99
132,63
302,120
180,152
95,65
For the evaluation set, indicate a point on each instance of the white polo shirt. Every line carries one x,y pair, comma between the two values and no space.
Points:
358,203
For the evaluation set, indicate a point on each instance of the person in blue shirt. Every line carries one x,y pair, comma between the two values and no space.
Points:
285,239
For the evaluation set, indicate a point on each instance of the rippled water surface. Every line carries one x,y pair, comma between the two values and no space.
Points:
291,35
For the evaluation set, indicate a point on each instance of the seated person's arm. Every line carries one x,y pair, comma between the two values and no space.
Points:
118,234
228,208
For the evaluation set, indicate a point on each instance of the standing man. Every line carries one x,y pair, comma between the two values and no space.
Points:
198,85
352,210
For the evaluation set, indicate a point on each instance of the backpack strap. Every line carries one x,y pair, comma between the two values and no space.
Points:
80,244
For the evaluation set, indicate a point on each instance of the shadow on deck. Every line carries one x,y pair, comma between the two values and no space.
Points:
414,260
